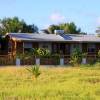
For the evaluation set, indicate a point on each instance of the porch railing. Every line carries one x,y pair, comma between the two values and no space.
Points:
7,60
11,60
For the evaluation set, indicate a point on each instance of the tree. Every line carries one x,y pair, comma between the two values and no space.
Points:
69,28
29,28
14,25
52,28
45,31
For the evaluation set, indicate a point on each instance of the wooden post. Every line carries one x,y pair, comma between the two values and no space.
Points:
23,47
11,49
15,47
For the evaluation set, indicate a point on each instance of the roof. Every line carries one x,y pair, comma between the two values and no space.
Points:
53,37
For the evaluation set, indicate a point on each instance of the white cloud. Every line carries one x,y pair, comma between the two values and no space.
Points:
46,26
57,17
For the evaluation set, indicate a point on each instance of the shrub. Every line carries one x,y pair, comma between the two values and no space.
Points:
99,55
34,70
56,58
91,60
76,57
84,55
20,55
41,52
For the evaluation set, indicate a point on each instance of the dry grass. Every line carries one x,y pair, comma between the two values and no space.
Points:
55,83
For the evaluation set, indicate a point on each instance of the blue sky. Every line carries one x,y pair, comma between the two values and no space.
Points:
85,13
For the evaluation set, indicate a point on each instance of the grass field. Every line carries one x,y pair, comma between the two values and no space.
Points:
56,83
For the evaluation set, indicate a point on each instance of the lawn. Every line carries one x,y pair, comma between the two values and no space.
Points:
56,83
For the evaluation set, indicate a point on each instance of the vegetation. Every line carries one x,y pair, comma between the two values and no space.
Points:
84,55
34,70
4,44
99,55
14,25
76,57
26,55
54,83
41,52
69,28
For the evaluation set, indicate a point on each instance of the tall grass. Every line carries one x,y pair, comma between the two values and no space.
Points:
53,84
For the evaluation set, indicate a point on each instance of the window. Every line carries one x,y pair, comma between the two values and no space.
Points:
62,48
27,47
45,46
54,48
91,48
67,48
76,46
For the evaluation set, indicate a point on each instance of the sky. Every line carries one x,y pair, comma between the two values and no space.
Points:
85,13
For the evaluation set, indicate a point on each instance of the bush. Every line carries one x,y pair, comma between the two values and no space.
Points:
97,64
56,58
76,57
41,52
84,55
99,55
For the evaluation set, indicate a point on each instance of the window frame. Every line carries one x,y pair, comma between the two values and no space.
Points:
91,48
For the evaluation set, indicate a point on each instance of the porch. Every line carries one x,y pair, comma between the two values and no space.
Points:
63,49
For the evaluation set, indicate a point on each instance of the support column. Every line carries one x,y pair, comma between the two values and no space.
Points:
23,47
84,61
61,61
17,62
15,47
37,61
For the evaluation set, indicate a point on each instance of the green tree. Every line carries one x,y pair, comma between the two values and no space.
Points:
14,25
29,28
51,28
69,28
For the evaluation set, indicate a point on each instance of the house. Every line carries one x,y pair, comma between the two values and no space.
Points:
56,43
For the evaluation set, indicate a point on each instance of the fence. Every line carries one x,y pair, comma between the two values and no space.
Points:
7,60
64,60
28,61
49,60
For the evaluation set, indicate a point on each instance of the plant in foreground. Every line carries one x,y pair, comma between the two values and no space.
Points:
34,70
